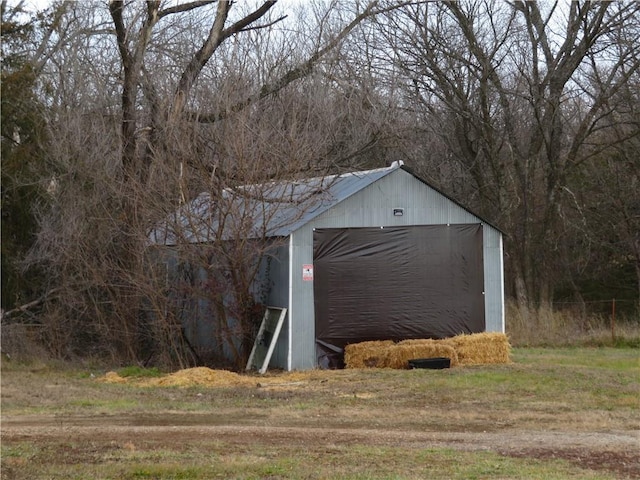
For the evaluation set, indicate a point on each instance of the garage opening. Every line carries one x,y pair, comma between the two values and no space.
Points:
395,283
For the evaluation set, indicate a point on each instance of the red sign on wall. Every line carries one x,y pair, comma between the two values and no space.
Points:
307,273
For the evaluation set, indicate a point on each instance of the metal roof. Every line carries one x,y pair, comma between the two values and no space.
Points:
264,210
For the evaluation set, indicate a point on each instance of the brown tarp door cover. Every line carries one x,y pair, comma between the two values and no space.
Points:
396,283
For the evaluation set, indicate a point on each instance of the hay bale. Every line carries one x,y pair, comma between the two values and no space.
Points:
399,355
366,354
474,349
417,341
481,348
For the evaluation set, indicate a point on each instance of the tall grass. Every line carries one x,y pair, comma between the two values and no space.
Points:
557,328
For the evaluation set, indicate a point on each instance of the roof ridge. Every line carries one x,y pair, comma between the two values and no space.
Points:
394,165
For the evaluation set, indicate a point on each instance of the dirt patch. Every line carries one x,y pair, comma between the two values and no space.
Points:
614,452
625,463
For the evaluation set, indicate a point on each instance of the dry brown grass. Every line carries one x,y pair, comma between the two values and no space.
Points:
557,328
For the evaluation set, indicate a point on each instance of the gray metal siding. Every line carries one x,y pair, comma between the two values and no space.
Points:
373,206
278,296
303,349
493,279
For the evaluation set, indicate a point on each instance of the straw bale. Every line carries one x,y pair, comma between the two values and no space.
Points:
481,348
399,355
417,341
366,354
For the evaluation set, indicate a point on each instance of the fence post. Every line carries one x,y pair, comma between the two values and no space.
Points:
613,320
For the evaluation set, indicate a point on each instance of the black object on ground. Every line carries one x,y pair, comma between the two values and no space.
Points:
436,363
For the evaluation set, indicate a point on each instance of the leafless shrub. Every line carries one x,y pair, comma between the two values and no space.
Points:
21,342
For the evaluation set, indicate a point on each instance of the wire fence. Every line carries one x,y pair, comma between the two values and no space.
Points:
607,308
612,300
602,307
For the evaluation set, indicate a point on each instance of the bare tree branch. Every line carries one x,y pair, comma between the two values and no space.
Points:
185,7
295,73
217,35
29,305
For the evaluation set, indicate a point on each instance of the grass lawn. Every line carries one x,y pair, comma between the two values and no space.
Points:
552,413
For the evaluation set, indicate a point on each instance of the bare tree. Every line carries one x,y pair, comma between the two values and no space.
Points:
143,125
162,148
499,80
605,215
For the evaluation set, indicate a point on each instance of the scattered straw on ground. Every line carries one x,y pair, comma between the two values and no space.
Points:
184,378
112,377
207,377
475,349
199,376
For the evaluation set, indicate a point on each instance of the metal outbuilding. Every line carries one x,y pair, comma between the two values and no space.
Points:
377,254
